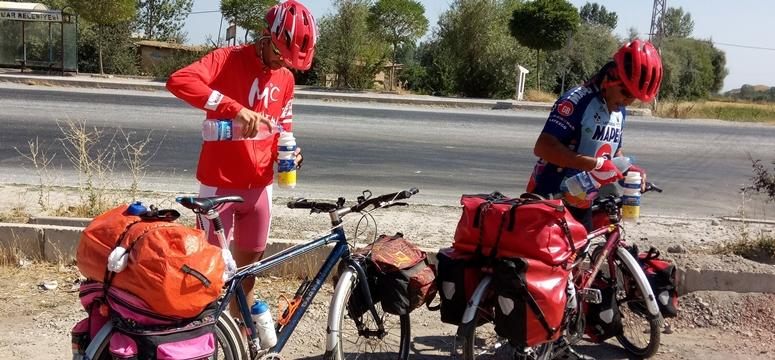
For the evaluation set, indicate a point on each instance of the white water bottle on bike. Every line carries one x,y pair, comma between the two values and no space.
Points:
631,196
262,319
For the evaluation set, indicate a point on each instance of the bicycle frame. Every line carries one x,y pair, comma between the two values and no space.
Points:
340,251
614,243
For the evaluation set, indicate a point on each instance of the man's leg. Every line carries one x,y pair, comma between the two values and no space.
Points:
242,258
251,231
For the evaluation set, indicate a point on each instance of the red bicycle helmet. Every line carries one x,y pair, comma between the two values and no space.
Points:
639,67
292,29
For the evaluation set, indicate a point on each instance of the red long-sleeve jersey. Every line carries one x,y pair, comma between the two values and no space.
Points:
222,83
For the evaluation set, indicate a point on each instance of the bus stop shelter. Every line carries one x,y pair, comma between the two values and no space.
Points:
36,37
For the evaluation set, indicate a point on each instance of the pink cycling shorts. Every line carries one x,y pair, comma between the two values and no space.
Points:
246,224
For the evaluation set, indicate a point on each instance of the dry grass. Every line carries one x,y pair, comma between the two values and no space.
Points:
734,111
17,214
540,96
757,247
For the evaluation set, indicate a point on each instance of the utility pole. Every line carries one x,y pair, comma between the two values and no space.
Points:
657,32
657,25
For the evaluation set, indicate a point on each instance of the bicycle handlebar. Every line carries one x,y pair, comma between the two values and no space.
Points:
364,202
614,201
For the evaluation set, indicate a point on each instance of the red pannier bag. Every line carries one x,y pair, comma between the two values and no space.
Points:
167,261
530,302
663,280
527,227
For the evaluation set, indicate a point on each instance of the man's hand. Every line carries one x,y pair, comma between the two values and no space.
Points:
605,172
250,121
298,158
642,172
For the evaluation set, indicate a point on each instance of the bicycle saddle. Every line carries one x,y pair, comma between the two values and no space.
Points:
205,204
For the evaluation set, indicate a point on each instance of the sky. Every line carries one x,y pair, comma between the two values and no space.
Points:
741,28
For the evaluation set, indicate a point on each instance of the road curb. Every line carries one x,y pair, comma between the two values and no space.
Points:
303,93
58,244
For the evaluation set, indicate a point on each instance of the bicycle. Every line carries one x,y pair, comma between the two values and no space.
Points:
373,331
633,295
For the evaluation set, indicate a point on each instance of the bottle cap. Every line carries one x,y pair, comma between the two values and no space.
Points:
259,307
136,208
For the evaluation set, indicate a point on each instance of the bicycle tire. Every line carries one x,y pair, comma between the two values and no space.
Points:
636,319
351,344
230,343
491,346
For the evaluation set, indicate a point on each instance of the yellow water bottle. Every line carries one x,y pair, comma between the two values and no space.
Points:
286,166
631,196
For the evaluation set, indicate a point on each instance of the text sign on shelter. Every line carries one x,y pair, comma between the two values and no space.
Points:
21,15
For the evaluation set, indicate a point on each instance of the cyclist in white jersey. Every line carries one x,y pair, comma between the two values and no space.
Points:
584,131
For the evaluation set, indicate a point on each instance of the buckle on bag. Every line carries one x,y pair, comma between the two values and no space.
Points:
591,296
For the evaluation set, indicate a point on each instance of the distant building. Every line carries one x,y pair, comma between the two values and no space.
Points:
152,53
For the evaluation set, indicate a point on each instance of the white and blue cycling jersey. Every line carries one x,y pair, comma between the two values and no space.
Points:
580,120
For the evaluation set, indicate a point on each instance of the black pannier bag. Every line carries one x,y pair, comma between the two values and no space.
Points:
458,275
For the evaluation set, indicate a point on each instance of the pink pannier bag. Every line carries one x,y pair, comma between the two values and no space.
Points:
140,333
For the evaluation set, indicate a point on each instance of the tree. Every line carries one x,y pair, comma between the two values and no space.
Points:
690,73
544,25
104,13
163,19
347,48
719,62
677,23
470,52
592,13
591,47
247,14
398,22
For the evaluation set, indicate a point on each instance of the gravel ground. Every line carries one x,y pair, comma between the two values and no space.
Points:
35,323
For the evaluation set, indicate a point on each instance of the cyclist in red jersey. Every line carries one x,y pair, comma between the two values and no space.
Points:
251,85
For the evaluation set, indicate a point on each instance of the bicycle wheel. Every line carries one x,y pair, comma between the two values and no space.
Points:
640,329
359,336
231,344
481,342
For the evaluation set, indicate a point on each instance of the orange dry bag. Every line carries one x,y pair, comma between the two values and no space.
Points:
170,266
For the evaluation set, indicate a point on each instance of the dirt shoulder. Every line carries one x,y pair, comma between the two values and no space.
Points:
35,322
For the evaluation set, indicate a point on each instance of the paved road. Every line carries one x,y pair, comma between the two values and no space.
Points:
350,147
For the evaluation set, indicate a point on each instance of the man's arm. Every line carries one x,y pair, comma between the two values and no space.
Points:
550,149
192,85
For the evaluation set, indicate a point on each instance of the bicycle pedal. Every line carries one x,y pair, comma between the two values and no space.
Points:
592,296
270,356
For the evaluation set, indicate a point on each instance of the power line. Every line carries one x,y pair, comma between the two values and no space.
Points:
743,46
205,11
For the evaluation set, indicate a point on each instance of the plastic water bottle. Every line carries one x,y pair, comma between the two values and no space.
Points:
225,129
286,167
631,196
262,319
622,163
580,187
